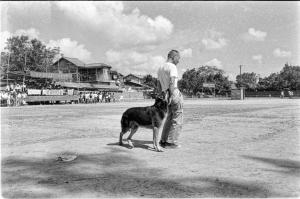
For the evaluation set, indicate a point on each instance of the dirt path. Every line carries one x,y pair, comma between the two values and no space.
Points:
229,149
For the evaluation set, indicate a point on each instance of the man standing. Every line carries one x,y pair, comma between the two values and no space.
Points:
168,76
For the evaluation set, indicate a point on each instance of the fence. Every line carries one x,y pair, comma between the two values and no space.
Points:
50,92
130,96
270,93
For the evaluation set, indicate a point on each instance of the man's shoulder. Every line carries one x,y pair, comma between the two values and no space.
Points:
167,66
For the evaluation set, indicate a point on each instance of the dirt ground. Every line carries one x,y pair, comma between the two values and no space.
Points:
229,149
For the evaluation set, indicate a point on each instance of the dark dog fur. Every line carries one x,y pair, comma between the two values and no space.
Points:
152,117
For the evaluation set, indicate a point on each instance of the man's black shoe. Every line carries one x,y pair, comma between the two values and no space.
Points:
162,144
171,145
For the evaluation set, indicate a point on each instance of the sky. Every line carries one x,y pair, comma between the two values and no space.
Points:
135,37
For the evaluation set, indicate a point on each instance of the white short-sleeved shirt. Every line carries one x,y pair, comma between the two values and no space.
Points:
164,74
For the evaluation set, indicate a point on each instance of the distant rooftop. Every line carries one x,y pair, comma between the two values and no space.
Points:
75,61
138,76
81,64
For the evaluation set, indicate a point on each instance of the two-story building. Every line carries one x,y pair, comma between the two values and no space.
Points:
135,82
93,75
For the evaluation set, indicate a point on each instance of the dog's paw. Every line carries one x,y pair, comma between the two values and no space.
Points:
130,144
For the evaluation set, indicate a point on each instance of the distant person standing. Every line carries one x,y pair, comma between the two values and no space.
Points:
24,95
168,76
100,97
7,88
23,87
18,88
282,94
87,97
291,94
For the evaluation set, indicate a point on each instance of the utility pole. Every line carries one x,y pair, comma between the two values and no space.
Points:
241,75
7,70
24,69
242,89
240,69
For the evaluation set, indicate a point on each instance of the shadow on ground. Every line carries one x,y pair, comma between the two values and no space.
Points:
113,174
148,145
290,167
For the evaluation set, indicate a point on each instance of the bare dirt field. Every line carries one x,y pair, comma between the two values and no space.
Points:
229,148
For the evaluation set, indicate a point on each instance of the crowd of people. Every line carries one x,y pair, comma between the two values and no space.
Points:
13,95
290,94
96,97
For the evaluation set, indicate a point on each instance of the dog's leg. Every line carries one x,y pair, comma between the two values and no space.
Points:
155,139
133,131
121,138
124,131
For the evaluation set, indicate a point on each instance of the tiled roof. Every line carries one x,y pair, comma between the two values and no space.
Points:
138,76
81,64
75,61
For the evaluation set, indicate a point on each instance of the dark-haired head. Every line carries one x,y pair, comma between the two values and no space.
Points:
173,57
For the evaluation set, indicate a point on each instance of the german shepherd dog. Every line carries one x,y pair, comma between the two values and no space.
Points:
151,117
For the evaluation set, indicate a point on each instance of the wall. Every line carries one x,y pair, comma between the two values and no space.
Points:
103,74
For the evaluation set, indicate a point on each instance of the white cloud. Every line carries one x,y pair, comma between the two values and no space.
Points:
246,8
254,35
31,33
128,61
257,58
71,48
109,19
281,53
113,56
186,52
214,62
214,40
3,38
26,8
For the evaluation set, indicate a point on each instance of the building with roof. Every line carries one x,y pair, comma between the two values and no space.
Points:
135,82
85,74
81,72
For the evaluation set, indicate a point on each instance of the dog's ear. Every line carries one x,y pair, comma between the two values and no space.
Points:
161,97
158,96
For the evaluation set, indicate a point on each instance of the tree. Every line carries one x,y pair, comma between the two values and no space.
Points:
149,80
247,80
269,83
289,77
23,54
192,80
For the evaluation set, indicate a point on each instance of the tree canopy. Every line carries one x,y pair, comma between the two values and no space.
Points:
22,54
247,80
193,79
287,78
